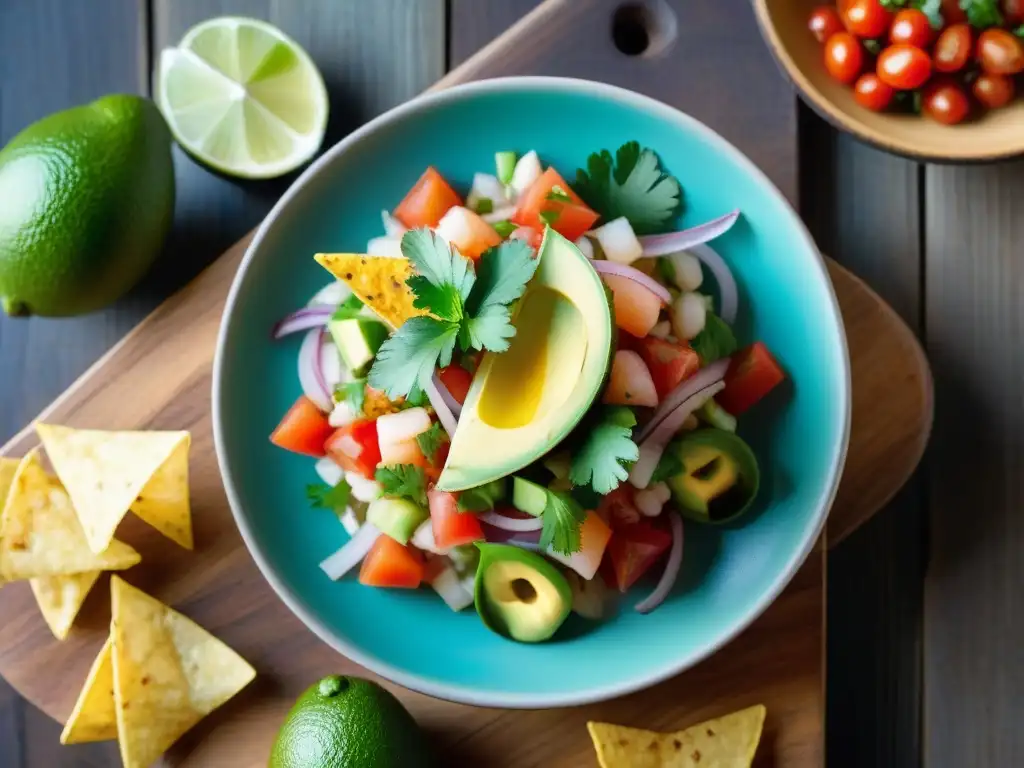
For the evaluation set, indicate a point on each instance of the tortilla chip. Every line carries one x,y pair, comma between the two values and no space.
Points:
378,281
108,473
169,673
60,598
40,534
725,742
93,718
7,469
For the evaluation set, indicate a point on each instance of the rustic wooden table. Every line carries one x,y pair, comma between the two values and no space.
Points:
925,659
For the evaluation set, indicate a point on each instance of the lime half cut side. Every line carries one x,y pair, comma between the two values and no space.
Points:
243,97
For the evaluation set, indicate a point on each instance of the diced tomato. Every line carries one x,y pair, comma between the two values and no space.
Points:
636,307
633,549
451,527
752,374
428,201
354,447
457,380
594,536
630,382
390,564
669,364
618,508
304,429
468,232
570,218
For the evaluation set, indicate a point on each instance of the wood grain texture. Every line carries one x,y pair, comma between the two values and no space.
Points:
974,657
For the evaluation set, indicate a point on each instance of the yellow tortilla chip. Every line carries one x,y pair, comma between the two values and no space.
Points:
40,534
169,673
60,598
378,281
7,469
108,473
725,742
93,718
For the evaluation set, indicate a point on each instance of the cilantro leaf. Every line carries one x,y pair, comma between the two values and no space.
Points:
403,481
632,185
715,341
1019,31
982,13
491,329
505,228
352,392
408,358
444,277
501,276
930,8
600,461
351,308
325,497
415,399
430,442
562,519
669,465
482,498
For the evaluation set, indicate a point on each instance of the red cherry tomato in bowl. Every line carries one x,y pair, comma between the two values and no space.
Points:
866,18
953,48
904,67
844,57
911,26
993,91
1000,52
824,22
871,93
946,102
952,13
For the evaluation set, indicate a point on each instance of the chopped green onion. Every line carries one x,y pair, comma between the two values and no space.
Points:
506,164
505,228
484,205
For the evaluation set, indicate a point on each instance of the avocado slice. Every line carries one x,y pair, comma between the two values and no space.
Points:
720,476
525,401
357,339
519,594
398,518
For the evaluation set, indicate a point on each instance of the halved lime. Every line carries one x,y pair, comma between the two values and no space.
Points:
243,97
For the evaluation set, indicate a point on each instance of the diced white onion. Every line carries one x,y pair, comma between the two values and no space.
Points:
389,247
402,426
449,587
661,330
349,521
688,315
329,471
528,170
341,415
330,295
363,489
486,187
618,241
352,553
423,539
499,214
651,501
455,226
405,452
586,246
686,271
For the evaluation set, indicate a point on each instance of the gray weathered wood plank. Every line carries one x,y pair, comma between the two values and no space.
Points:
974,625
864,209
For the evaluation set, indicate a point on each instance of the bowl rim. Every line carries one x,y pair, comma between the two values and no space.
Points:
826,109
466,694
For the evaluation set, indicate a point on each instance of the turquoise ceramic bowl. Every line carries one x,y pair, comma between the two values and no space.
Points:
730,575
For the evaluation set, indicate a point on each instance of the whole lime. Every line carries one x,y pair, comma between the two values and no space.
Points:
348,722
86,200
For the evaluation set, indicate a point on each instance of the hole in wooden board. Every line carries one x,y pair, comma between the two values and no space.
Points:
644,28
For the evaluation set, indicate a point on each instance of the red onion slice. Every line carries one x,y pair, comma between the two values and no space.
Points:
673,242
351,554
525,539
632,273
444,413
728,293
303,320
653,446
671,572
705,377
311,375
506,523
453,405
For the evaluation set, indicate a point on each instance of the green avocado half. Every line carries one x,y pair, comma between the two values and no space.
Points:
526,400
719,478
519,594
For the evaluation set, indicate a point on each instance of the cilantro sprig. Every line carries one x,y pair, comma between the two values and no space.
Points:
562,518
403,481
982,13
430,442
930,8
323,496
716,340
467,305
353,393
632,184
602,458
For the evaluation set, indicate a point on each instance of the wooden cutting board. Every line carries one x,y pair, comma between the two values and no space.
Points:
159,377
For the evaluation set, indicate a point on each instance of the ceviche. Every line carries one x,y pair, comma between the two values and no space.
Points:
515,397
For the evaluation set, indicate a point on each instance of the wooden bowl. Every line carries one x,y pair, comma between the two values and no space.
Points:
993,135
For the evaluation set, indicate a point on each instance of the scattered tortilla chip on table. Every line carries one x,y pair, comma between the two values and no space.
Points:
93,718
40,534
109,473
60,598
725,742
169,673
378,281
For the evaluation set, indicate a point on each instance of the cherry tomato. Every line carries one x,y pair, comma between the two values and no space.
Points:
952,13
1013,10
904,67
844,57
1000,52
912,27
993,91
953,48
946,102
866,18
871,93
824,22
